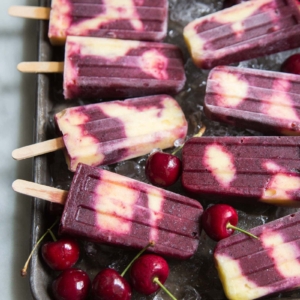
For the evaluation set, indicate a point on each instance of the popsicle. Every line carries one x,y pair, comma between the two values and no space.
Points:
252,268
244,169
266,101
114,69
122,19
109,208
109,132
244,31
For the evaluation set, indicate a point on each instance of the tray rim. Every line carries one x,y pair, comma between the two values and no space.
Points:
41,172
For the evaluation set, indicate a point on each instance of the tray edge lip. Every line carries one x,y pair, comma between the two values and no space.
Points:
39,163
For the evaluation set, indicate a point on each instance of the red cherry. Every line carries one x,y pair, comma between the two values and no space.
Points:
110,285
62,254
71,284
215,220
219,222
292,64
163,169
144,271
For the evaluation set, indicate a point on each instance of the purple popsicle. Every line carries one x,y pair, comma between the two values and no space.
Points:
244,31
110,68
123,19
266,101
109,208
247,169
252,268
109,132
113,131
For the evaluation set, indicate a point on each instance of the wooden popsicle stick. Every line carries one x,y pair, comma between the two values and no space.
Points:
30,12
40,191
41,67
38,149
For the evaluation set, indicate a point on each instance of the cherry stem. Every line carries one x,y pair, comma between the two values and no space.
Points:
200,133
241,230
156,280
52,235
151,243
24,270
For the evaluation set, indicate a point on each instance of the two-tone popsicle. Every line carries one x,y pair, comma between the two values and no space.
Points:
244,31
115,69
106,207
266,101
109,132
123,19
252,268
244,169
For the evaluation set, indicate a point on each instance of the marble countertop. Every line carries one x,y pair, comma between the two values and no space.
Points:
18,42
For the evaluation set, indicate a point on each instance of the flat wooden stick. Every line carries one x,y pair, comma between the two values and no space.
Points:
30,12
38,149
41,67
40,191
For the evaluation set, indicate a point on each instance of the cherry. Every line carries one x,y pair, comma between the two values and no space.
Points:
110,285
71,284
62,254
292,64
163,169
148,273
24,270
219,221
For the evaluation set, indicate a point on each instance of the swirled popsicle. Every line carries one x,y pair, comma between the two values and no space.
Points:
109,208
244,169
123,19
252,268
116,69
266,101
109,132
244,31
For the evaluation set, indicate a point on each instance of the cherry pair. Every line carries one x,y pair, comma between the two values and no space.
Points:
62,255
147,273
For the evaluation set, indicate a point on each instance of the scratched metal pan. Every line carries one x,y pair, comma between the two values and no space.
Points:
193,279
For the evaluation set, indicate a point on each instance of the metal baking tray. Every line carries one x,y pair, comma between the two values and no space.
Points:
193,279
